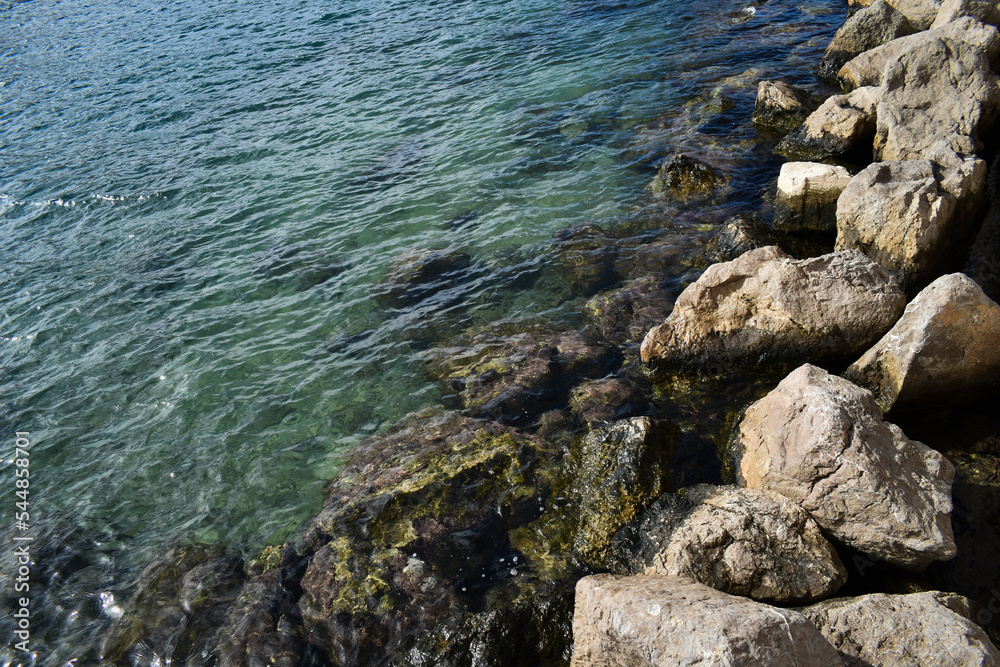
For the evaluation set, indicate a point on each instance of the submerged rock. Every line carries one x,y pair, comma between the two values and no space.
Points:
766,305
780,106
807,196
740,541
627,313
739,234
584,256
903,631
945,347
911,216
843,126
920,103
821,441
869,27
174,614
660,620
684,177
416,275
603,401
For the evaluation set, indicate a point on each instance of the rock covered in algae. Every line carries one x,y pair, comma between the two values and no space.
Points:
781,106
741,541
627,312
663,620
684,177
767,305
419,274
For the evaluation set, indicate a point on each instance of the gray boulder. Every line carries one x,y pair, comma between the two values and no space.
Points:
946,346
911,216
953,10
821,441
658,620
867,28
921,13
807,196
903,631
868,68
922,103
765,305
740,541
781,106
844,125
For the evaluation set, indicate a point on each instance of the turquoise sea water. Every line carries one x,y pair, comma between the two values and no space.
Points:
196,199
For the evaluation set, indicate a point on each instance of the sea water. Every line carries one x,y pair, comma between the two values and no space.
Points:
196,199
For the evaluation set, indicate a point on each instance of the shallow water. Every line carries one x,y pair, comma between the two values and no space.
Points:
196,200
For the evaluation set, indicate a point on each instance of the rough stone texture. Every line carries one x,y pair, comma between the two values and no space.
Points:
921,13
807,196
868,68
739,234
921,103
741,541
627,313
603,401
946,346
686,178
781,106
821,441
913,630
767,305
844,125
953,10
648,621
869,27
912,216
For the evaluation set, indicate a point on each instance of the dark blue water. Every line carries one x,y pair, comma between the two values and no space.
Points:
196,199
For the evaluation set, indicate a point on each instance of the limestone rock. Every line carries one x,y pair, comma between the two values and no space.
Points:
807,196
781,106
739,234
953,10
911,216
946,346
921,103
921,13
684,177
867,28
741,541
647,621
868,68
821,441
903,631
767,305
844,125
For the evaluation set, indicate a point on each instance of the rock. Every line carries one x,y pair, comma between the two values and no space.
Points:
621,469
868,68
766,305
807,196
912,216
780,106
983,264
584,258
603,401
627,313
820,441
920,13
415,531
419,274
953,10
844,126
740,541
512,373
921,103
179,605
945,347
685,178
867,28
739,234
903,631
660,620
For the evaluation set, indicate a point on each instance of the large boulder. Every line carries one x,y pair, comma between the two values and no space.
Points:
868,68
920,13
767,305
843,126
741,541
867,28
954,10
807,196
912,216
913,630
821,441
946,346
781,106
660,620
922,103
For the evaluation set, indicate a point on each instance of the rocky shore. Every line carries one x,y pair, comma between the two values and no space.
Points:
769,442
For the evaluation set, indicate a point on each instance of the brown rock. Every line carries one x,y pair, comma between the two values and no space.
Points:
685,178
820,441
781,106
807,196
865,29
844,125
